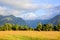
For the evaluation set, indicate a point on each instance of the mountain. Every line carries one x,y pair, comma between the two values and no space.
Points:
11,19
55,20
31,23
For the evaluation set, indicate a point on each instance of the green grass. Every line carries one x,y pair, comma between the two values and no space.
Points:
17,37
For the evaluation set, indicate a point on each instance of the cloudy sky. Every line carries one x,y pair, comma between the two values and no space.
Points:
30,9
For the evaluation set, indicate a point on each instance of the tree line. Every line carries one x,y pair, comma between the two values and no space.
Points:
40,27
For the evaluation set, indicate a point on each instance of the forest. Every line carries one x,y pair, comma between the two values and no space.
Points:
39,27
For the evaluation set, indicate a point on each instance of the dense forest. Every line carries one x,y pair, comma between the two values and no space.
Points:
40,27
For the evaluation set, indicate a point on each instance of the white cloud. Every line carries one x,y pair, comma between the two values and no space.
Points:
22,4
15,12
4,11
29,16
25,4
47,6
26,8
56,10
46,16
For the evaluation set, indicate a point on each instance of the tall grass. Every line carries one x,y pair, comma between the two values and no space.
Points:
29,35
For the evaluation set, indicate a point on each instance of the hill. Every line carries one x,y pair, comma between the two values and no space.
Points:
11,19
55,20
31,23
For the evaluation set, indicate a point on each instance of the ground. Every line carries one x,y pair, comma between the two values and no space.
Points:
29,35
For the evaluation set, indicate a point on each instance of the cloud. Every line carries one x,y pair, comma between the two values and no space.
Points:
25,4
4,11
46,16
56,10
29,16
24,9
20,4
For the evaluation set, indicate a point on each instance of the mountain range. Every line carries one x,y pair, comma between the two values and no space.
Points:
11,19
31,23
55,20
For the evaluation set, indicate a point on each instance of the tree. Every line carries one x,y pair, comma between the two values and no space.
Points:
7,26
26,27
30,28
21,27
15,27
44,27
50,27
47,27
39,27
58,27
55,28
1,28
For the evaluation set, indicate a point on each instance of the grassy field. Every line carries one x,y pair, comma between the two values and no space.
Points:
29,35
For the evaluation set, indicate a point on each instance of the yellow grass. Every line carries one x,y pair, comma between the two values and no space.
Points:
52,35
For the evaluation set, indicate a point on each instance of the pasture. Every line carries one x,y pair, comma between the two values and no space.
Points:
29,35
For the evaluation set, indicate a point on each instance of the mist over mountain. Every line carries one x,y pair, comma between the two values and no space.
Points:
11,19
55,20
31,23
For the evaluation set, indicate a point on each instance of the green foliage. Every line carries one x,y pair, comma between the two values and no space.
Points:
7,26
26,27
30,28
1,28
50,27
39,27
44,27
15,27
58,27
47,27
21,27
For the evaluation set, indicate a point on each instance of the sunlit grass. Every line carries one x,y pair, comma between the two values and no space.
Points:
29,35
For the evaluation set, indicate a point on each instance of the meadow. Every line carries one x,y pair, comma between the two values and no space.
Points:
29,35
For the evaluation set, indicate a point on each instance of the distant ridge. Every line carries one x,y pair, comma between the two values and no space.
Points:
55,20
11,19
31,23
